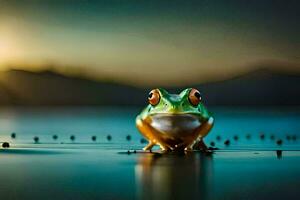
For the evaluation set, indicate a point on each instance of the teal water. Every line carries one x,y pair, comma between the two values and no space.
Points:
249,168
85,122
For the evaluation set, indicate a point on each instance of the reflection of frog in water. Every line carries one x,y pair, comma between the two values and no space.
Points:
174,176
175,122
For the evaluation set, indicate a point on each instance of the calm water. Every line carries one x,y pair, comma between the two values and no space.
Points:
86,122
249,168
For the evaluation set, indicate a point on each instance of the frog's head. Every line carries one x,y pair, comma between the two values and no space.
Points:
187,103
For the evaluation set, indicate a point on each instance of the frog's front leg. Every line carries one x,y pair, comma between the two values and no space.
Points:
149,133
199,144
151,144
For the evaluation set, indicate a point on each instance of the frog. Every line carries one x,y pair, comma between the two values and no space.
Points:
175,122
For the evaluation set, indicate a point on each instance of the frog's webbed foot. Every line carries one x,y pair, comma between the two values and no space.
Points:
149,146
200,145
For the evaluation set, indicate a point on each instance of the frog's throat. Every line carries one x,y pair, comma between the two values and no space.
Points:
173,129
174,124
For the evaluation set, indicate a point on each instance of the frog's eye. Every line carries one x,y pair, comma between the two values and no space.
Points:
194,97
154,97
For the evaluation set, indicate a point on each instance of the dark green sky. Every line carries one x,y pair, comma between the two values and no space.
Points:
150,42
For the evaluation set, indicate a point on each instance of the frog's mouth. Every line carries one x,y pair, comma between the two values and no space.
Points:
175,125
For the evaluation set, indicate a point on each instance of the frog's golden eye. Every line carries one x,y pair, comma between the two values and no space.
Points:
194,97
154,97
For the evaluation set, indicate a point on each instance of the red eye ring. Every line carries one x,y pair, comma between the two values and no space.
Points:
154,97
194,97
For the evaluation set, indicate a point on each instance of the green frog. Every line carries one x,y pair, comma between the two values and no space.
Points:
175,121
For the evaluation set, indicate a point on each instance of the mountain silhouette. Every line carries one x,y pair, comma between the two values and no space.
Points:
258,88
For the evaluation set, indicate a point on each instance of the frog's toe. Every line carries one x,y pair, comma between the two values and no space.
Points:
188,148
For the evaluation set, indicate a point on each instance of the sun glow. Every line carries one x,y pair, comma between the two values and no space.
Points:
8,46
8,51
5,49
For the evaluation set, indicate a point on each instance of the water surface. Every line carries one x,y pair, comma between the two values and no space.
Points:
250,167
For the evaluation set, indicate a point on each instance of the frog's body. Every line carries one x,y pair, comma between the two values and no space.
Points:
175,122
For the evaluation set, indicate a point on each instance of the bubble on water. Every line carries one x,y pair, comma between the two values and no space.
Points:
143,141
227,142
128,137
262,136
108,137
13,135
72,137
5,145
36,139
236,138
279,142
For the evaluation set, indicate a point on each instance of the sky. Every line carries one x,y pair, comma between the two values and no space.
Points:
143,42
